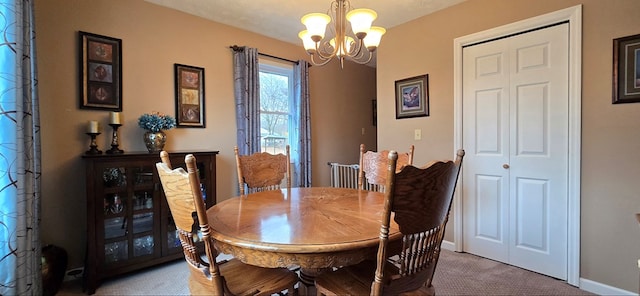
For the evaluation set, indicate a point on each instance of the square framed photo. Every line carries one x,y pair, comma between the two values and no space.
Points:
626,69
100,72
412,97
189,96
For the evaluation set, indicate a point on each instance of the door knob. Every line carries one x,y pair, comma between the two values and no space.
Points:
505,166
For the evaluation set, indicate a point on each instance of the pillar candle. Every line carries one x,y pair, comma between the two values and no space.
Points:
115,118
93,127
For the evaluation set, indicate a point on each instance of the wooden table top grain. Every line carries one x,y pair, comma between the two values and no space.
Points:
315,227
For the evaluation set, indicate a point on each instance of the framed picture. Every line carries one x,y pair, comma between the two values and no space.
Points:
100,72
412,97
189,96
626,69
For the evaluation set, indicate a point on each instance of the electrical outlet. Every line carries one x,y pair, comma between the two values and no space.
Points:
417,134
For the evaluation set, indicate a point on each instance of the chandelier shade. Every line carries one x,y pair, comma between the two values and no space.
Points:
356,44
372,40
307,42
316,24
361,20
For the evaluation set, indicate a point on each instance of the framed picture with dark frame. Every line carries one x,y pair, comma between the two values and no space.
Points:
100,72
412,97
626,69
189,96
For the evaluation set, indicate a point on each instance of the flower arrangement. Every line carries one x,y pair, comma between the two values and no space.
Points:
156,121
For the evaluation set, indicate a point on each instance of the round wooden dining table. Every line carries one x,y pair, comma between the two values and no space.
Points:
314,228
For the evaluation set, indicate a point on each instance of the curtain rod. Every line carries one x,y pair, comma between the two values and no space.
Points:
241,48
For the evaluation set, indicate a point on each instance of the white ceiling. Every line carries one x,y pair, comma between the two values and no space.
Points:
280,19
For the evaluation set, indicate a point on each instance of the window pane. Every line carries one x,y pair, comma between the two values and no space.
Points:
275,132
274,92
274,112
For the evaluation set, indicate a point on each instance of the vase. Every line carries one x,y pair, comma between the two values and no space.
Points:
155,141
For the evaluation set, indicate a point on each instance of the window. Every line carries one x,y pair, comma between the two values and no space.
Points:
277,114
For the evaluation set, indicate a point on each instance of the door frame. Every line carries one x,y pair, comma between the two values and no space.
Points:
572,15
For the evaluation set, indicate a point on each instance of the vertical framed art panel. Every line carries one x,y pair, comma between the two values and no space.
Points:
189,96
626,69
412,97
100,72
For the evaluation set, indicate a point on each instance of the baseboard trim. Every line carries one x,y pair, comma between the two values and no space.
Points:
447,245
602,289
585,284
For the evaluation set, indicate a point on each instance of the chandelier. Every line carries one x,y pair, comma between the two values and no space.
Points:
340,43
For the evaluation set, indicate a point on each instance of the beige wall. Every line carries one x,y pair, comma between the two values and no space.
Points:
153,39
610,239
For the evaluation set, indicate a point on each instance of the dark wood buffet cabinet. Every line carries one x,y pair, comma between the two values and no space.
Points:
129,225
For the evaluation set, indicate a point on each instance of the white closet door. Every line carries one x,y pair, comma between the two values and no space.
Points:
515,132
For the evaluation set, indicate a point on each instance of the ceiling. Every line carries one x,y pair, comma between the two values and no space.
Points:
280,19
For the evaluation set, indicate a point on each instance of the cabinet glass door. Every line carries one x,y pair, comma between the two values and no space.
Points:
114,209
144,205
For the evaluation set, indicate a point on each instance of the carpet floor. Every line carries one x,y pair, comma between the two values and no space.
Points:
456,274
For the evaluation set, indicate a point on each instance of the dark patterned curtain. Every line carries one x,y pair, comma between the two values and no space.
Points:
20,249
247,96
301,93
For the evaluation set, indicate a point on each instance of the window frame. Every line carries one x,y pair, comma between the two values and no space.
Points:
272,67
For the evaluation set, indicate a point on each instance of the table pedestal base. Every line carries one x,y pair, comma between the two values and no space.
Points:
307,280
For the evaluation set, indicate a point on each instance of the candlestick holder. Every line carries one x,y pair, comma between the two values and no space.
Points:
93,147
114,140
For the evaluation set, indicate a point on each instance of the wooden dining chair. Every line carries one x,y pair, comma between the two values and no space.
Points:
263,171
420,200
230,277
372,167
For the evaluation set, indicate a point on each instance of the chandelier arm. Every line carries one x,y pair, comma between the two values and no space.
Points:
322,63
356,51
321,57
323,53
365,61
325,60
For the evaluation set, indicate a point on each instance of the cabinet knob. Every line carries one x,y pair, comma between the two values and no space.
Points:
505,166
